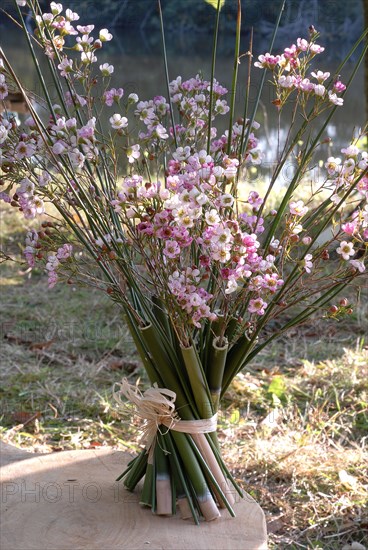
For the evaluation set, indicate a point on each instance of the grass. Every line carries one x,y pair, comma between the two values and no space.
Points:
293,428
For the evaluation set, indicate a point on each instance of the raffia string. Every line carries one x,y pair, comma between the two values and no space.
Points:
156,406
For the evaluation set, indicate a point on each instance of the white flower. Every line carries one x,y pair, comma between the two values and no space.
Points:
161,132
56,8
88,57
308,264
71,15
212,217
333,165
334,99
296,229
319,90
77,158
346,250
105,36
133,153
106,69
22,3
320,76
133,98
231,286
118,122
3,133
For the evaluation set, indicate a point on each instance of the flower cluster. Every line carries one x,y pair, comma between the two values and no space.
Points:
290,74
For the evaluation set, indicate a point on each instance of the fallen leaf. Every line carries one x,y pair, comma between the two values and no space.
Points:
25,417
94,444
38,346
274,526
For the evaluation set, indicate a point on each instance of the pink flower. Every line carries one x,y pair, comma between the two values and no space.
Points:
255,200
306,85
257,305
302,44
64,252
339,87
316,48
297,208
349,228
358,265
286,81
52,279
4,197
172,249
267,61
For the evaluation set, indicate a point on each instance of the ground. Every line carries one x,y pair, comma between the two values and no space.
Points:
293,428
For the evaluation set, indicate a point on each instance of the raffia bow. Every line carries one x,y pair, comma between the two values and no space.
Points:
156,406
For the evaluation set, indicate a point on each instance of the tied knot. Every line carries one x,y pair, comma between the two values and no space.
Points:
156,407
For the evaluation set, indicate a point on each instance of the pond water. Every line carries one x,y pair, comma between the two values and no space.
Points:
137,57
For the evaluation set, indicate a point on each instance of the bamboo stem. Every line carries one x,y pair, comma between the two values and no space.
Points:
215,369
207,453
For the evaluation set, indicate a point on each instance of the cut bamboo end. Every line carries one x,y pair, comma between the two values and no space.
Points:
218,345
184,508
163,496
208,507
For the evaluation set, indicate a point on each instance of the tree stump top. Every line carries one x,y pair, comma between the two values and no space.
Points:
70,500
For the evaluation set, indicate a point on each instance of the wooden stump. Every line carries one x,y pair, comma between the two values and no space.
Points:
70,500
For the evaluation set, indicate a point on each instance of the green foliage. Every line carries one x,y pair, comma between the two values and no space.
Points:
277,389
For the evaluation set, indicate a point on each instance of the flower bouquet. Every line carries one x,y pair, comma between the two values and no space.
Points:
146,201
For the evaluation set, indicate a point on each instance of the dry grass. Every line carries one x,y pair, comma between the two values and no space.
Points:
294,429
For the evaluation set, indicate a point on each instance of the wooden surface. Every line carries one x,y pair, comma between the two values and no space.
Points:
69,500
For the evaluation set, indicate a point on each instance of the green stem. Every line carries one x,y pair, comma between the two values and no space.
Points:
167,73
214,49
235,77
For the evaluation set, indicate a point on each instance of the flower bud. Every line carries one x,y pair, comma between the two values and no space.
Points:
344,302
325,255
333,309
